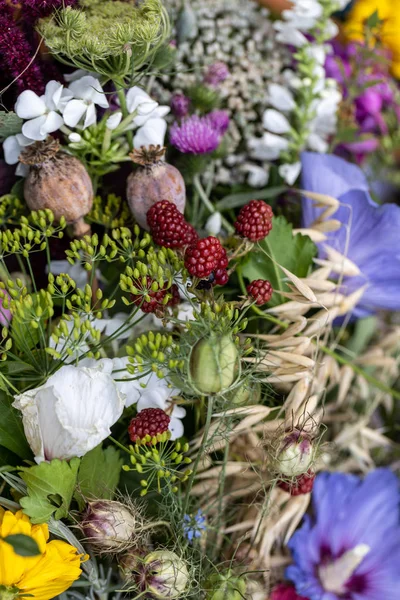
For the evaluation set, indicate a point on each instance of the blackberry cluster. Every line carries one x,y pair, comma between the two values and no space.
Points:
168,226
254,220
149,421
207,259
260,290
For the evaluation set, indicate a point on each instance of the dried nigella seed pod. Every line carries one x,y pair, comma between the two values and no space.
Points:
59,182
153,181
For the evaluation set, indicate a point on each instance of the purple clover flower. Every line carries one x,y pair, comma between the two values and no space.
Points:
350,549
370,235
180,105
195,135
220,120
216,73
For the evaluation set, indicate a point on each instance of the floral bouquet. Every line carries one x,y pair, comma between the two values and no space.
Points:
199,286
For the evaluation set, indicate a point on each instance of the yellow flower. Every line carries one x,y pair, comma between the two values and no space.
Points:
43,576
389,32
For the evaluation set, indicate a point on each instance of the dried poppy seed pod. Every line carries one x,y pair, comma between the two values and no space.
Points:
59,182
155,180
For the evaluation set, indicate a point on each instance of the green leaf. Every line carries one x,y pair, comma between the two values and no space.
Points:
373,20
10,124
99,474
50,489
235,200
295,253
23,545
364,331
12,434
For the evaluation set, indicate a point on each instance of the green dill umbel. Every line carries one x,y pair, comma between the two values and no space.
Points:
113,39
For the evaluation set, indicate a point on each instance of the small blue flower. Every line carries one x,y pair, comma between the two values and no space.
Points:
194,525
370,236
350,548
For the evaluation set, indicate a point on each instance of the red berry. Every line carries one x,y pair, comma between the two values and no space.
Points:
285,591
303,484
254,220
260,290
168,226
156,303
149,421
203,257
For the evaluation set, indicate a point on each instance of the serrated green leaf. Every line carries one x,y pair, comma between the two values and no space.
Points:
23,545
10,124
295,253
235,200
50,489
12,434
99,474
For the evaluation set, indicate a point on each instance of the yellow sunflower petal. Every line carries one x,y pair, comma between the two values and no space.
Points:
56,570
12,566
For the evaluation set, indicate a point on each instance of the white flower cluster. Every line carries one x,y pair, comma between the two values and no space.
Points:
61,108
303,112
73,411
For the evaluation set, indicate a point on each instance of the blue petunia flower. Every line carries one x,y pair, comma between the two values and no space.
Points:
350,550
371,238
194,525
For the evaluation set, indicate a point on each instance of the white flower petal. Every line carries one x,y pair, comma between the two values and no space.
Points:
213,224
136,97
52,94
159,112
78,74
280,97
73,112
53,122
29,105
88,88
91,117
275,121
33,128
11,149
176,429
290,172
22,170
71,413
258,176
74,137
153,132
114,120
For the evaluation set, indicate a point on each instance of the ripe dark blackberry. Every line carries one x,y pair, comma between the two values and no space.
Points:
260,290
254,220
221,274
203,257
168,226
149,421
303,484
156,303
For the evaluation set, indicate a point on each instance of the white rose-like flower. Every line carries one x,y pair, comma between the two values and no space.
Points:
42,112
71,413
86,92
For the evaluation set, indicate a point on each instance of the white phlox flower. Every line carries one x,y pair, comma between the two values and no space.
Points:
86,93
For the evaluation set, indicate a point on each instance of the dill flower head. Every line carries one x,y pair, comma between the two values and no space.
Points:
43,576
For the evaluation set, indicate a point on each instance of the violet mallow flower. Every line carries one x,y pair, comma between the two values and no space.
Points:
369,236
350,548
195,135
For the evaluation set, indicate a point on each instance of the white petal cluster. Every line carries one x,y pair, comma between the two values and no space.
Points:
76,107
284,138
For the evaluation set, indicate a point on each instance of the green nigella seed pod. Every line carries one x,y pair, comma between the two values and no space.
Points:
59,182
225,586
213,364
247,393
164,575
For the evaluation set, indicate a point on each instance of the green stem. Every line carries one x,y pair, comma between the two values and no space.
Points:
124,108
209,205
199,454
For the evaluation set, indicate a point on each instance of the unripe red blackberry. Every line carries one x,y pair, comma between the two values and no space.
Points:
303,484
203,257
148,422
260,290
254,220
153,301
168,226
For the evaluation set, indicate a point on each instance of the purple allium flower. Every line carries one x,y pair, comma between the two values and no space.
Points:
195,135
350,549
370,236
180,105
220,120
193,526
216,73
